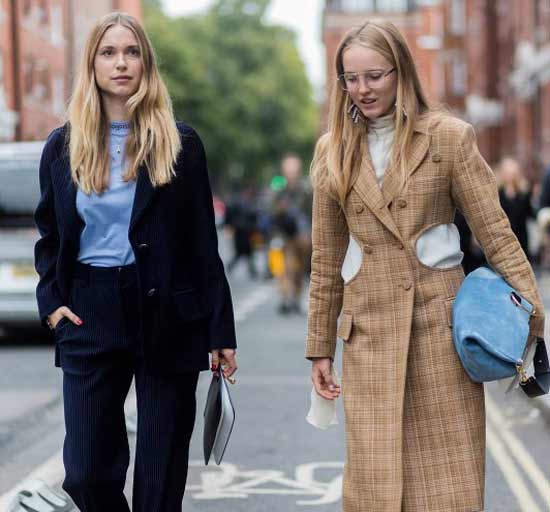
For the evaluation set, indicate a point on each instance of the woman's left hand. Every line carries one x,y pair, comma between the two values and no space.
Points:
226,357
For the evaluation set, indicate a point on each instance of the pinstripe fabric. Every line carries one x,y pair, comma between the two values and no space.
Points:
414,421
99,360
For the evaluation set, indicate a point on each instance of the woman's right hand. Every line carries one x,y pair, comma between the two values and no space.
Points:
61,312
321,376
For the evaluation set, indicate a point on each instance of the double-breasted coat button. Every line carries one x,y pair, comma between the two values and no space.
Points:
152,292
436,157
400,246
143,247
359,208
402,203
368,249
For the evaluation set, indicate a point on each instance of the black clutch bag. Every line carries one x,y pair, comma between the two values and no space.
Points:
219,418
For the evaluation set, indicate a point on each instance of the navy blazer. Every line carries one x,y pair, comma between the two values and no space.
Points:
185,299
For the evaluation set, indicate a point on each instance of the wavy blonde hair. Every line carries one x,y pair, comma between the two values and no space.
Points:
154,140
340,151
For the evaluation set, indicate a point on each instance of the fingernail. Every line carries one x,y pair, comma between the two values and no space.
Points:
79,322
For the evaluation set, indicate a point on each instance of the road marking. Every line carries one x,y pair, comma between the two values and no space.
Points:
510,472
252,302
518,450
228,482
50,472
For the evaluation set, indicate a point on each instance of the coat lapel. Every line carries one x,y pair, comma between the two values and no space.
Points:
63,184
365,184
419,147
143,196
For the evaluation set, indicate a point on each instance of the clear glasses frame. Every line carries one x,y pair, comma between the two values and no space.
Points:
373,79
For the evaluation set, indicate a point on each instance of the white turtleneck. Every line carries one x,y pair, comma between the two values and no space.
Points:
380,136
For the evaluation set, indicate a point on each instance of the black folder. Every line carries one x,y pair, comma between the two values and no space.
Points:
219,418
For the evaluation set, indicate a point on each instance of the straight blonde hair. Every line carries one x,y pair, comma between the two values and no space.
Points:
339,152
154,140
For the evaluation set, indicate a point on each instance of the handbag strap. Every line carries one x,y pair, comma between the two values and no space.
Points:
538,384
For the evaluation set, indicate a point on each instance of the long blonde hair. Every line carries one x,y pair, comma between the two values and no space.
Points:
154,140
340,151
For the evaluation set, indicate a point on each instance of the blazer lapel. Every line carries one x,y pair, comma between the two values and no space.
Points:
365,184
143,196
65,187
419,147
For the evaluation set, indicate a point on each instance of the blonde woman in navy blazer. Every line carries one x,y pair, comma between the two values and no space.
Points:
130,277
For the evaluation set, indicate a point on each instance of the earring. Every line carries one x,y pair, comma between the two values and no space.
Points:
404,109
355,113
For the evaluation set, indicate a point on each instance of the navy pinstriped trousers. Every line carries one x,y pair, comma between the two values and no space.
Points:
99,360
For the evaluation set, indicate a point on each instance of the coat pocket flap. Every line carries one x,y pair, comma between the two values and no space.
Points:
344,327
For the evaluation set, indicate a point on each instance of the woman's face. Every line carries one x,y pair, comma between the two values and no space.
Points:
370,80
117,63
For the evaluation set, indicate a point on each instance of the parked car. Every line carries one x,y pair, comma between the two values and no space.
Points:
19,194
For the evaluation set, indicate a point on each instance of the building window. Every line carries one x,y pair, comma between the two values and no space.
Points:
457,14
43,12
458,75
28,76
56,26
27,7
43,87
392,5
58,95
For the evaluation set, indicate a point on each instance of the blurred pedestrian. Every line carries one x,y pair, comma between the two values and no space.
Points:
543,220
131,281
387,177
241,217
292,221
515,198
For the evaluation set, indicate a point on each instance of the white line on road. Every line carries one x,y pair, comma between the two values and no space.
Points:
510,472
518,450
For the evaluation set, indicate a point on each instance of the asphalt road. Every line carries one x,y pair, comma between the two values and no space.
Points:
276,461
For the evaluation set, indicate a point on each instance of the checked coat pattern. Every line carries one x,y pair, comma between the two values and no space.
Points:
415,422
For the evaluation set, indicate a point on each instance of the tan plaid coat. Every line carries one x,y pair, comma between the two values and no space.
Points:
415,422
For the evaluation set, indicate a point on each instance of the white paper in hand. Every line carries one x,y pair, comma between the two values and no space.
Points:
322,412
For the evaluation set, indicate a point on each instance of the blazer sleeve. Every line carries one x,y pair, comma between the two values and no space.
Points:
330,238
47,247
474,191
222,323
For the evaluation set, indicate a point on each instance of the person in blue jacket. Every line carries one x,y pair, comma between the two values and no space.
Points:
131,281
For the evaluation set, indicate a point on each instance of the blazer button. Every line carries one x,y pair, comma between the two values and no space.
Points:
400,246
142,247
402,203
436,157
152,292
407,285
368,249
359,208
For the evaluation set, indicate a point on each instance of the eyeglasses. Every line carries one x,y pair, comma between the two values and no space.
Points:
373,79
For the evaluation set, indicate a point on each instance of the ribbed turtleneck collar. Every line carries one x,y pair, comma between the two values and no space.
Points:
382,125
120,127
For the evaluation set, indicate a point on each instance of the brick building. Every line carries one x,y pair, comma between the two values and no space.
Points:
487,61
40,44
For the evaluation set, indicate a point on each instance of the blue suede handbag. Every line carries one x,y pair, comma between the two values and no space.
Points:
491,331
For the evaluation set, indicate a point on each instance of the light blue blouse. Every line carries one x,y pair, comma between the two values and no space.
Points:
104,239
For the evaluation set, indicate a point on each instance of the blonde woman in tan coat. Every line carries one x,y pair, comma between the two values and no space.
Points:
388,177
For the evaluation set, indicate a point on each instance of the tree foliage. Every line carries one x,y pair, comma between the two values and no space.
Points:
240,83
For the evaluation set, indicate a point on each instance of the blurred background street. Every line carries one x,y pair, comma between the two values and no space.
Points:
253,78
